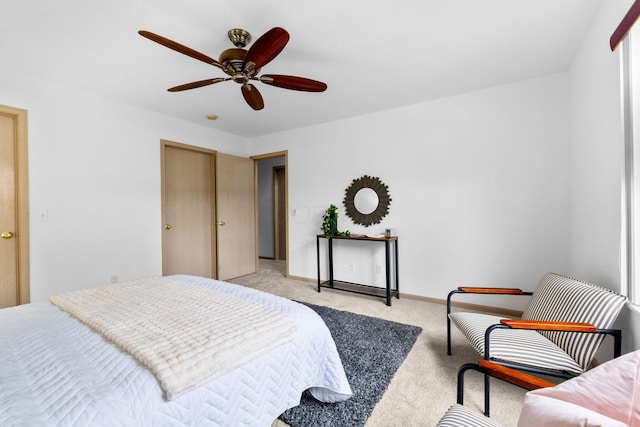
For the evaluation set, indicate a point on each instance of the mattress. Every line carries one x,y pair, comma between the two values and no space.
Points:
54,370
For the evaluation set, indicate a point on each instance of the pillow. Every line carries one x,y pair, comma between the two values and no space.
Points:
542,411
611,390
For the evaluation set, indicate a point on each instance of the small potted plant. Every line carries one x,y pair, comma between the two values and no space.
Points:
330,223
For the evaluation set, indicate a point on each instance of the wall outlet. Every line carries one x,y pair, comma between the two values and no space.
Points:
378,269
114,279
352,266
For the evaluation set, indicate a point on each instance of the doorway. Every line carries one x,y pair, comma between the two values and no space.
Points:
280,212
14,208
272,201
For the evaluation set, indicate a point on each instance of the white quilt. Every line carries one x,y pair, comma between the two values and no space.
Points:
186,335
55,371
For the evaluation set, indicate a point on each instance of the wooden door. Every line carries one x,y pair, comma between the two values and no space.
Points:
236,216
14,227
280,211
188,239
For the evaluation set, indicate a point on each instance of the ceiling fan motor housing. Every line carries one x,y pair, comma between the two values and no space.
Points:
233,60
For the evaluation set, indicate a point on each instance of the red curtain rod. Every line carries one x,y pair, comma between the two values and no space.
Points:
625,25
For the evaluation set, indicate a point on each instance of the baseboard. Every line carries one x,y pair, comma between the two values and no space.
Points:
469,306
302,279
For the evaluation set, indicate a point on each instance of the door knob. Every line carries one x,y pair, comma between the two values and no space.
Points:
167,226
220,223
7,235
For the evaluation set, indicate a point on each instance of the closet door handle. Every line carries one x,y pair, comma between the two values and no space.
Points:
7,235
220,223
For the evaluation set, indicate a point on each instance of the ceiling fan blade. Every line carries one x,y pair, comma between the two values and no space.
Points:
252,96
197,84
267,47
180,48
293,82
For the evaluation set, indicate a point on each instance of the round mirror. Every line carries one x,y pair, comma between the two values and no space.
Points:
367,200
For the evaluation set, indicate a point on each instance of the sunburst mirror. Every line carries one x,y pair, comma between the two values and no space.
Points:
367,200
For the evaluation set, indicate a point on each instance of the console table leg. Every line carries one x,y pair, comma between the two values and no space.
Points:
318,259
387,271
396,271
330,243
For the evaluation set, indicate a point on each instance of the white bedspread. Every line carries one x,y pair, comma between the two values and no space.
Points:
55,371
186,335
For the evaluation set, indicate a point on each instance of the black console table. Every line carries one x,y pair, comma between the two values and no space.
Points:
386,292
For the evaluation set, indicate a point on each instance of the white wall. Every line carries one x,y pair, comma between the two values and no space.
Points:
479,186
94,165
596,163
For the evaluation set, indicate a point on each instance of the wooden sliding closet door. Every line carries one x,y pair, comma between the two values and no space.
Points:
188,238
208,213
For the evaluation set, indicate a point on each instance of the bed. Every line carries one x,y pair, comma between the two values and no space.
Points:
56,370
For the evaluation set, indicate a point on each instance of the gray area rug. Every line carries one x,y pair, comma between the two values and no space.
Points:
371,350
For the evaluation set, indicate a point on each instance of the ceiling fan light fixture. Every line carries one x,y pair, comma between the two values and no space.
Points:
239,37
212,117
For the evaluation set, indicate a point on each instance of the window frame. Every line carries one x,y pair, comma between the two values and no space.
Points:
628,234
630,97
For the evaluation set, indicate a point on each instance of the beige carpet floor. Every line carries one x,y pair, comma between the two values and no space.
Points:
425,385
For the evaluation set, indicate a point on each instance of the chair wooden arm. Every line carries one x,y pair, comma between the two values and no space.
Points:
490,369
512,376
545,325
481,290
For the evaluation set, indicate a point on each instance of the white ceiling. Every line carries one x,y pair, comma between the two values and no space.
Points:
373,54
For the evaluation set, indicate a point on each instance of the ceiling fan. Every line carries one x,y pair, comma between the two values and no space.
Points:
244,65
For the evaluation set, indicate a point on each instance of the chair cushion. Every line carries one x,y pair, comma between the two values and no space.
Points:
565,299
525,347
461,416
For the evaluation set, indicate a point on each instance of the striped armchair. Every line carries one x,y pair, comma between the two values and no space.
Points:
562,327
